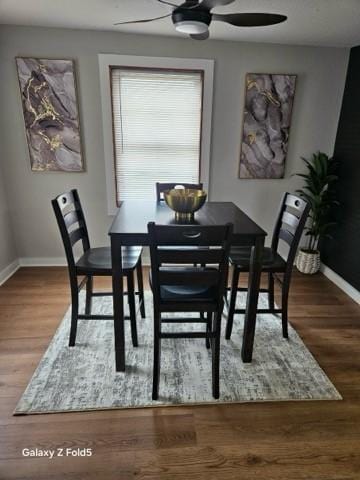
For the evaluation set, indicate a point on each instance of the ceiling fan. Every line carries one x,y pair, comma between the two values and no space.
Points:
194,17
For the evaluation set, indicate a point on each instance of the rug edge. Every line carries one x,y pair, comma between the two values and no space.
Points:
182,405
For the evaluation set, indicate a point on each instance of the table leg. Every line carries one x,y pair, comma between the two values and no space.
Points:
118,302
252,300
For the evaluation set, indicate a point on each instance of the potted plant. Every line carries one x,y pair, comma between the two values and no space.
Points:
319,192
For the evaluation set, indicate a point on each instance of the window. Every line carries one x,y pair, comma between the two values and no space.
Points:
190,72
157,117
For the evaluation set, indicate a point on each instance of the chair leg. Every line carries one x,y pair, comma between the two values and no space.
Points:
140,283
89,292
157,353
208,328
216,356
271,291
284,307
74,312
232,304
132,308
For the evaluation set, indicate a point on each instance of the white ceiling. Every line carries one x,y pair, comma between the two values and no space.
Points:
310,22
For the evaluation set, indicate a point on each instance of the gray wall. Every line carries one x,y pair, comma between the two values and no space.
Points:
7,245
321,76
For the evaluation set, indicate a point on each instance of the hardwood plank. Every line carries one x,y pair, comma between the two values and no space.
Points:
292,422
101,435
315,461
110,467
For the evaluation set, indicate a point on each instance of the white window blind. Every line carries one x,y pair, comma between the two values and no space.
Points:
157,129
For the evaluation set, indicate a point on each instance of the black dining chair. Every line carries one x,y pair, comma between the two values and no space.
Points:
289,227
162,187
93,262
178,286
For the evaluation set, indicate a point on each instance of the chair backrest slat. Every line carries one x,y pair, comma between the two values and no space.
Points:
175,235
71,218
65,200
76,235
195,276
295,202
162,187
286,236
166,257
290,219
178,256
68,212
290,224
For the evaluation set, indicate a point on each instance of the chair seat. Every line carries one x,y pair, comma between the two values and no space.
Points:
186,293
272,262
98,260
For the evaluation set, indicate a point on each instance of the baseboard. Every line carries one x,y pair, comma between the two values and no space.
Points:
341,283
59,261
9,271
42,261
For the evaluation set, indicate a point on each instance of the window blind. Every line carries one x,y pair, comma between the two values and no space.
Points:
157,129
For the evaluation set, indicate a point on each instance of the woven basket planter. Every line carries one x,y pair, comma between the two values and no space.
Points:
308,262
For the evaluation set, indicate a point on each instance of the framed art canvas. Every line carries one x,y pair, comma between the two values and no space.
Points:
51,115
266,125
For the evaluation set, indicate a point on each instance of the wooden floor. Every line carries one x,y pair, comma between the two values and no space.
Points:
272,441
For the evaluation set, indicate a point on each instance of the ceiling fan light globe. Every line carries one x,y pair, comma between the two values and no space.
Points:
191,27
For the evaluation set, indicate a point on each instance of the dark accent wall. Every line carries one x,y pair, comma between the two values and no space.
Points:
342,253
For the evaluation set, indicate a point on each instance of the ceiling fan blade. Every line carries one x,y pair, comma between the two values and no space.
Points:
209,4
165,2
144,21
200,36
188,4
250,19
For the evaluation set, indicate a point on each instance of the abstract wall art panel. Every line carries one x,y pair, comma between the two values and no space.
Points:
266,125
48,93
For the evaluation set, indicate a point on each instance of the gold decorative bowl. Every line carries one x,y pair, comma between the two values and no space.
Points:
185,202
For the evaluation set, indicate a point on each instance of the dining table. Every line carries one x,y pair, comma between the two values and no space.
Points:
129,228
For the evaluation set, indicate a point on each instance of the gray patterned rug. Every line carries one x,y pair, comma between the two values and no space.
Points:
84,377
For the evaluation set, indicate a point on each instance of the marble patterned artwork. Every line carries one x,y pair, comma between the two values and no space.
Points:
266,125
48,94
83,377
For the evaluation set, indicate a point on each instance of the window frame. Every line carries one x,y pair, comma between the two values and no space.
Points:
110,61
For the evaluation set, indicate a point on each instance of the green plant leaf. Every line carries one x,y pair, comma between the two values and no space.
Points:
319,193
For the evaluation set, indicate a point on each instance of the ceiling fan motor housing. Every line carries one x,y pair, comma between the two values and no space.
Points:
182,17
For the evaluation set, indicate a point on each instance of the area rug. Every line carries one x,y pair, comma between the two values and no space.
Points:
84,378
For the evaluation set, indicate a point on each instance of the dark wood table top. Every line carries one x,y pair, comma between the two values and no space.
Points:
133,216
